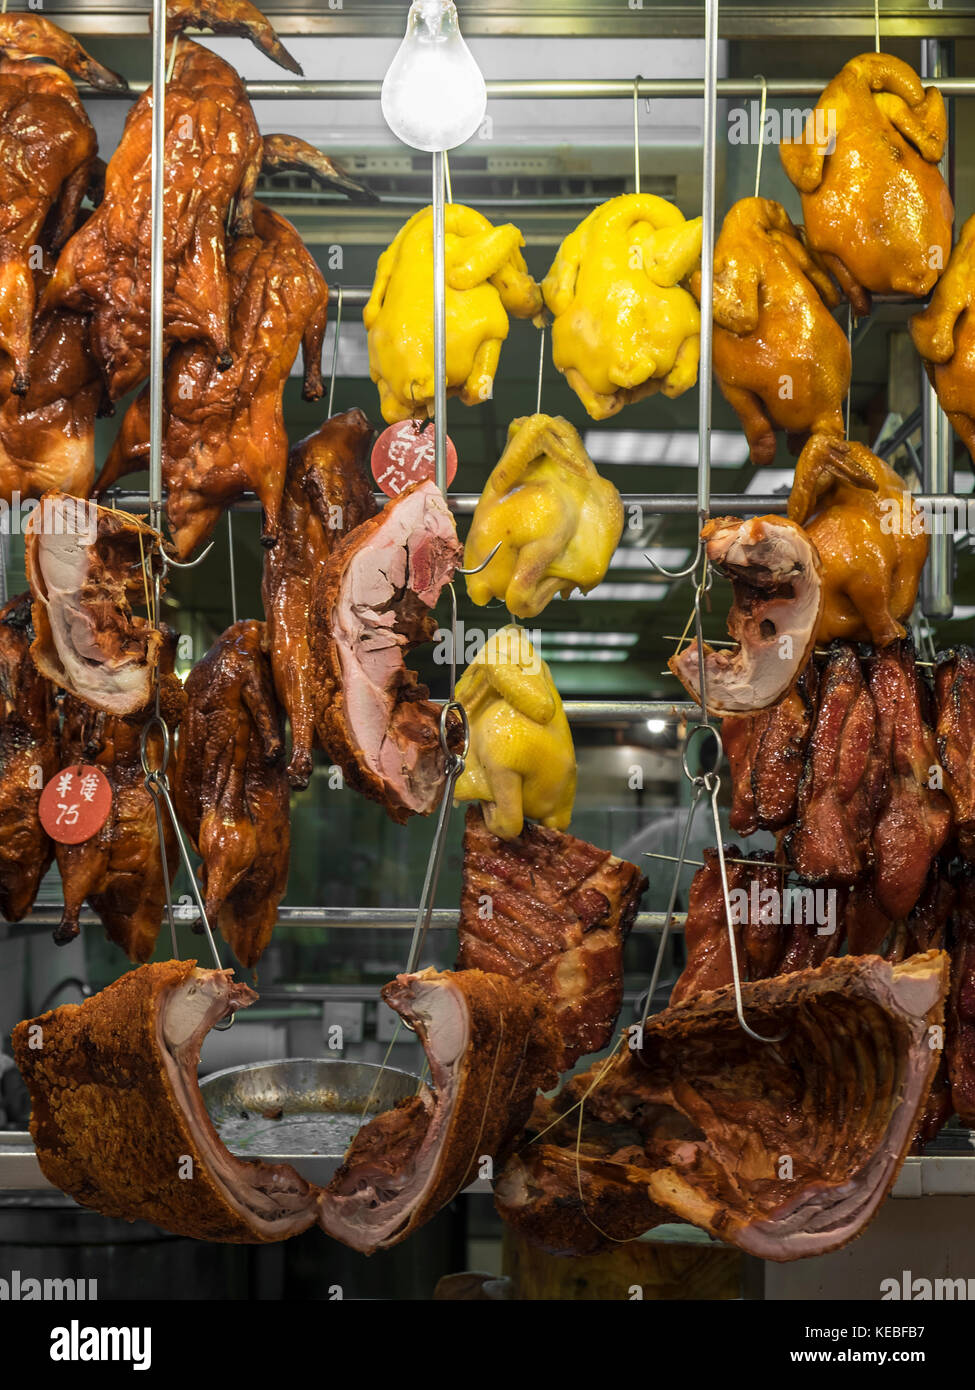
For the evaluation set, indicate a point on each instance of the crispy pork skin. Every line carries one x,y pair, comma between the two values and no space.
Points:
703,1115
85,565
117,1117
552,910
372,715
491,1044
778,600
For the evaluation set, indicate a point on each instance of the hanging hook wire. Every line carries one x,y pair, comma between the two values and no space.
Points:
233,572
541,369
849,338
760,77
477,568
335,354
170,564
636,133
172,56
876,25
446,178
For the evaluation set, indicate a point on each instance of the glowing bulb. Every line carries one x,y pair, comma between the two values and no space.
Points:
656,726
433,96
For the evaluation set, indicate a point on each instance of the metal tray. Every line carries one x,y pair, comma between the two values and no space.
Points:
320,1104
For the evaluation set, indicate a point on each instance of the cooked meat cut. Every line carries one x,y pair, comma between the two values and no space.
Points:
697,1121
777,603
85,566
224,426
843,781
371,608
118,1121
867,925
553,911
119,869
955,696
326,496
706,927
914,818
28,757
766,755
491,1044
960,1044
231,790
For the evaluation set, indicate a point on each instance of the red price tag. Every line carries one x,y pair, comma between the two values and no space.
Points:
75,803
405,454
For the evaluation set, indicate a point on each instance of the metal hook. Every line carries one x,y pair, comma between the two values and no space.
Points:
677,574
669,919
335,353
233,573
636,133
541,369
169,563
760,77
484,563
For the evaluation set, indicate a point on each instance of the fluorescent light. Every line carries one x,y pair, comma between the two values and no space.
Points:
676,448
634,557
591,639
656,726
771,480
589,655
611,592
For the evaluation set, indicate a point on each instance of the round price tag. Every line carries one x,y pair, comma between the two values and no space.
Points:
75,803
405,454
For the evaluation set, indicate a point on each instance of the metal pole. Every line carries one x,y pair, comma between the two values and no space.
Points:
439,326
156,267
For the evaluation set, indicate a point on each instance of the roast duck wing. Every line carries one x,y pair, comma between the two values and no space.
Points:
326,496
28,757
777,602
231,789
875,205
118,1121
85,566
781,359
491,1044
955,729
693,1126
944,335
224,425
119,869
553,911
871,542
766,755
370,607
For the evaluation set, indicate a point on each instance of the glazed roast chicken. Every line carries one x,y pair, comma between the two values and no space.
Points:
326,495
944,335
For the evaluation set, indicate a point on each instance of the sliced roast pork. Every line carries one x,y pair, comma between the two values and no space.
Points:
491,1044
699,1122
372,606
777,603
118,1121
86,565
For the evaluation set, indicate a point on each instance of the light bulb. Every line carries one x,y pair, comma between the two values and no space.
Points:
434,97
656,726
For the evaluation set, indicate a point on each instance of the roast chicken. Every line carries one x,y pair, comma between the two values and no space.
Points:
486,280
521,762
28,758
557,521
231,790
781,359
119,870
873,200
625,323
944,335
224,427
326,495
869,535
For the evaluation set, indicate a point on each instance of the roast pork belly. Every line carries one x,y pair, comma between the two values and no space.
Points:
372,715
491,1043
118,1121
555,911
85,565
698,1121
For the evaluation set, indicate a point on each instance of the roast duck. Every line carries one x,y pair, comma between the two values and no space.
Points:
944,335
874,203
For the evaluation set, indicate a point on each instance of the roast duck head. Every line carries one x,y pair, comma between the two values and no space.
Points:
229,17
29,35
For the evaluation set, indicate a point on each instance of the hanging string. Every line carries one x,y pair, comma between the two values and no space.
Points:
233,574
541,369
761,129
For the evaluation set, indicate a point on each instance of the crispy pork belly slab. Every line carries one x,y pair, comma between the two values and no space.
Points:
372,606
84,567
698,1121
117,1117
778,600
560,910
491,1044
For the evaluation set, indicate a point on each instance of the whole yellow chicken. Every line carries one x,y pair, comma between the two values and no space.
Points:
944,335
625,325
486,279
521,761
557,521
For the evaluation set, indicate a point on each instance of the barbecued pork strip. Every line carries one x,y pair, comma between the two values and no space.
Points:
954,684
118,1121
766,755
960,1042
552,910
841,1094
706,928
491,1044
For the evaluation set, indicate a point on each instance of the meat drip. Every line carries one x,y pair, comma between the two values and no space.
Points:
119,869
231,790
696,1122
766,755
326,496
491,1043
553,911
28,741
117,1116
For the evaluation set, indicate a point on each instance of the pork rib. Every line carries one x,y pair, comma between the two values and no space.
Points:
554,911
698,1121
117,1116
491,1043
